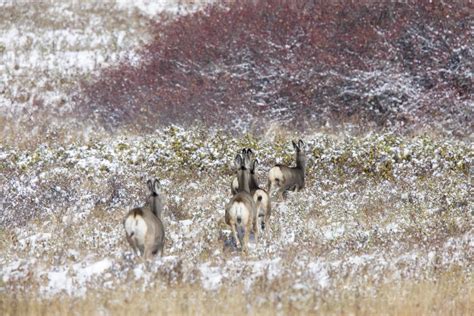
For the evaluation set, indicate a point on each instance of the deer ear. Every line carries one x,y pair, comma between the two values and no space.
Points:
149,183
301,143
250,153
295,146
156,186
254,164
238,161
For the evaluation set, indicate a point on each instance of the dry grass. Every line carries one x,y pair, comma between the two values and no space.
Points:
450,294
325,270
45,49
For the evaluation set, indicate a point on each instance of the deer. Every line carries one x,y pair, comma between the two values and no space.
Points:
143,225
289,178
260,196
241,211
234,186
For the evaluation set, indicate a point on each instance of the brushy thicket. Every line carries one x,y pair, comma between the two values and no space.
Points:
392,65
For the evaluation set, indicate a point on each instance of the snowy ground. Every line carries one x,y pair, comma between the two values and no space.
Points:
376,210
45,48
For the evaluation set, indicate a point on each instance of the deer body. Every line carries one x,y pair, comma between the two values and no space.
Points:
241,211
289,178
143,226
234,186
260,196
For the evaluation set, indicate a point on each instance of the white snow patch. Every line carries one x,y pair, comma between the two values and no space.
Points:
333,232
85,273
152,8
16,270
58,282
138,271
33,240
211,277
320,272
186,222
360,260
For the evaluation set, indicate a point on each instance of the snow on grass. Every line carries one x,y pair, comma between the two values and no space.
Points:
319,272
15,270
153,8
87,272
47,48
364,217
211,277
376,209
58,282
73,280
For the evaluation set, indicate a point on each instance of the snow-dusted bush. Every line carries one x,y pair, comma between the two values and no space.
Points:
376,209
393,65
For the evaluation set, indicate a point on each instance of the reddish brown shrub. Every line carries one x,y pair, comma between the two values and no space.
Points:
298,61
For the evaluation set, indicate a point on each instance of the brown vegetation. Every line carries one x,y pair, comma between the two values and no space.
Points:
392,65
451,294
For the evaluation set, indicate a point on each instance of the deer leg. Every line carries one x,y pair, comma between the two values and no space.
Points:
281,193
156,249
256,228
264,223
245,243
132,244
260,222
141,249
234,234
148,254
135,249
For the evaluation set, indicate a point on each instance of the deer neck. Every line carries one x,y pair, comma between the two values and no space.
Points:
154,205
300,161
244,181
253,184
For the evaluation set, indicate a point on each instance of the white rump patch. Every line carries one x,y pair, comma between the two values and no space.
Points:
275,173
238,209
136,226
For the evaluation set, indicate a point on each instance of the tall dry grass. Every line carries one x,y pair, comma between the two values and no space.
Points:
450,294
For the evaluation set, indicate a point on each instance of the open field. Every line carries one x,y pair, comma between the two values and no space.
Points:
378,212
97,98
